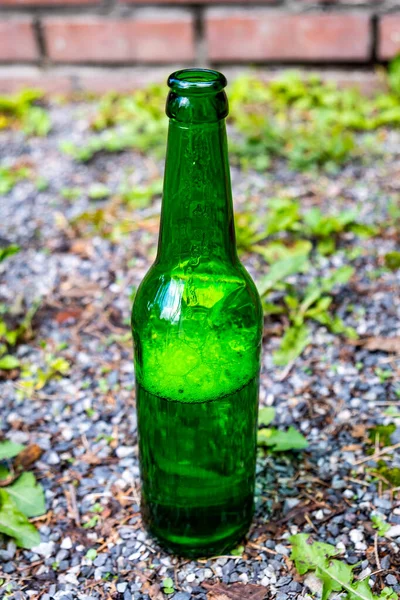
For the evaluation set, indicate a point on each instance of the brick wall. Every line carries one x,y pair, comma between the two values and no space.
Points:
74,43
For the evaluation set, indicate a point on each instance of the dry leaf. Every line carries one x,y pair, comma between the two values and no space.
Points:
70,314
82,247
384,344
236,591
27,457
358,431
154,592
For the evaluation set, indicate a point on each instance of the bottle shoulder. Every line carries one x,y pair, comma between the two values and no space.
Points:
203,288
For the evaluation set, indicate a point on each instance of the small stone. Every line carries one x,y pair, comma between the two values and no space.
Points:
313,583
53,458
283,581
66,544
391,579
385,562
190,578
44,549
295,586
382,503
356,536
100,560
289,504
394,531
11,548
124,451
121,587
8,567
182,596
281,549
61,555
348,493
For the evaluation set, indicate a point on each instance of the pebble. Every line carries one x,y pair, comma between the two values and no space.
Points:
8,567
391,579
313,583
44,549
356,536
394,531
66,543
53,458
124,451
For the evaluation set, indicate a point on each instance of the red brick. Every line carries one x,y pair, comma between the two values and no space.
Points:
345,2
261,35
146,38
198,1
17,40
389,36
16,3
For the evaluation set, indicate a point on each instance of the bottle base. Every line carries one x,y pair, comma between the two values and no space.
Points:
197,548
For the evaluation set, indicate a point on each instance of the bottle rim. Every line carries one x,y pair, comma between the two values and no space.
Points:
197,80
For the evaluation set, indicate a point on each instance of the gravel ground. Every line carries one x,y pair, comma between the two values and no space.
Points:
86,423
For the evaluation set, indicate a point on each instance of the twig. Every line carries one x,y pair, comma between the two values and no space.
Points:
262,548
377,454
357,481
378,562
74,505
311,524
286,371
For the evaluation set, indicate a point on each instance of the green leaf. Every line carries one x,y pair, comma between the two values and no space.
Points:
392,260
28,495
168,585
266,415
9,362
91,523
281,441
91,554
98,191
334,574
237,551
335,577
281,270
14,524
4,473
9,449
277,250
8,251
71,193
308,555
36,121
380,524
361,591
295,340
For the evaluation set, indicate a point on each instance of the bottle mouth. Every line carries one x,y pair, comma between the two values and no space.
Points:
197,81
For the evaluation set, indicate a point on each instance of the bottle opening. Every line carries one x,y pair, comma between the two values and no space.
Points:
197,81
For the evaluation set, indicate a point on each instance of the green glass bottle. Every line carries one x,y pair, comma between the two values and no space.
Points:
197,326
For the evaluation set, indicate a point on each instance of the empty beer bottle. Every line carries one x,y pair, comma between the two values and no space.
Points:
197,324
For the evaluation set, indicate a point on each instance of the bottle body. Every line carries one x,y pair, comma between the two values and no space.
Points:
197,334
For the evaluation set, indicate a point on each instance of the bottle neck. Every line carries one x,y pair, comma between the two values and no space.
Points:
197,213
